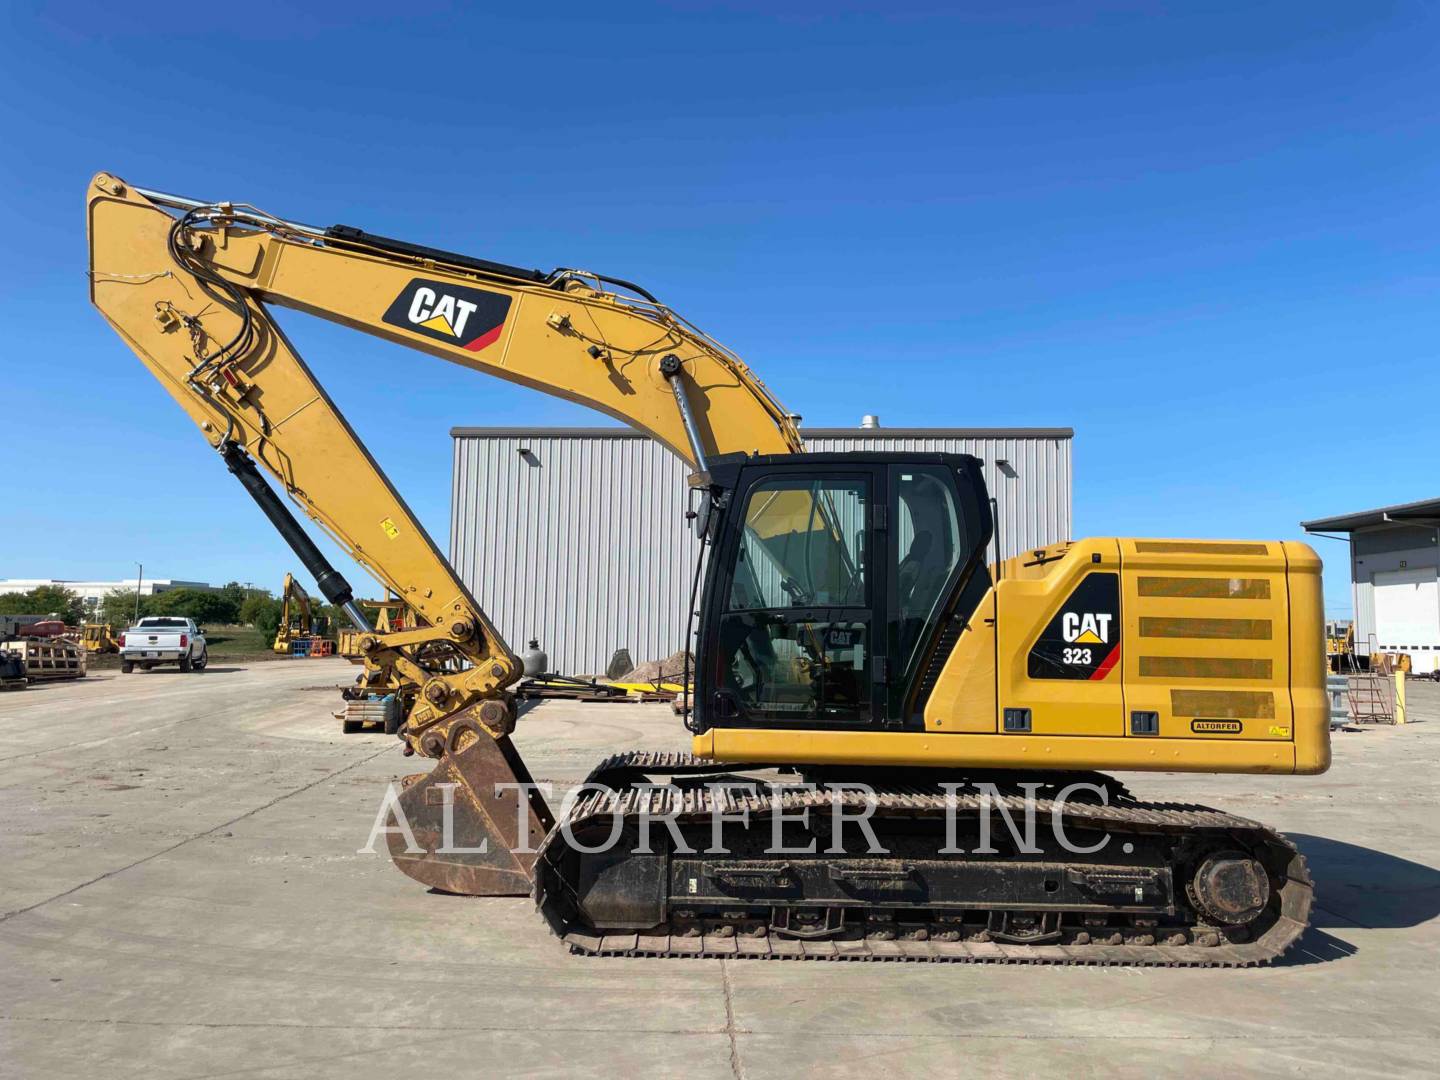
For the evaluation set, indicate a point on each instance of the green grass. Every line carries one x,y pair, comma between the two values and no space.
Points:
237,643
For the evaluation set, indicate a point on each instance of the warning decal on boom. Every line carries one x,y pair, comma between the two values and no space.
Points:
1082,641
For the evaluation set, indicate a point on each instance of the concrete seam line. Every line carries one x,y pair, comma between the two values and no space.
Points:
188,839
737,1070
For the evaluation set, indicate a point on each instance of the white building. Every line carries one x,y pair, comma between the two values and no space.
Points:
92,592
1395,578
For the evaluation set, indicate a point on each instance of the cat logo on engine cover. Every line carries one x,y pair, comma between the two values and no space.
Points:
454,314
1082,641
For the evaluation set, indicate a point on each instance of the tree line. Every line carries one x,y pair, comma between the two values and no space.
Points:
231,605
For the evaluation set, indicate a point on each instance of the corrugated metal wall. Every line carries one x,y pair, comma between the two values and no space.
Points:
1031,489
577,540
578,536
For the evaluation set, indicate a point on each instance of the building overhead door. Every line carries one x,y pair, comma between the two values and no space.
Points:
1407,614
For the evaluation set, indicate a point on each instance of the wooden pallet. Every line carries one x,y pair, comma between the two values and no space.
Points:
49,658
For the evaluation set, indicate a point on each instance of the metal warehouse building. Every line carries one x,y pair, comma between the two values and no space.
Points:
1395,578
577,536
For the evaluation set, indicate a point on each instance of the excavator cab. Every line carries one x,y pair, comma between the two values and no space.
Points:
833,583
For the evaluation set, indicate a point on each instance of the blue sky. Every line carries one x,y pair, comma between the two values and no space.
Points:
1202,234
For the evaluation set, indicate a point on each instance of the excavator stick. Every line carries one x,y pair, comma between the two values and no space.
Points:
476,818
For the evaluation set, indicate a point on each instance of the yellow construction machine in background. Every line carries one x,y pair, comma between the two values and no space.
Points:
390,615
1340,644
99,638
301,631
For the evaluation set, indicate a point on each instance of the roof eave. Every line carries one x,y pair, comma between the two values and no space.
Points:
826,433
1424,513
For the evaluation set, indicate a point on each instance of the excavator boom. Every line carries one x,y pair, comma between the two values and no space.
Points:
189,284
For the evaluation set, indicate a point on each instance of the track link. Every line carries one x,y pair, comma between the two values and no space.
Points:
1197,943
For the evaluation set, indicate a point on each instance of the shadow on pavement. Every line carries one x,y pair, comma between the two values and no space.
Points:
1316,947
41,685
176,673
1359,886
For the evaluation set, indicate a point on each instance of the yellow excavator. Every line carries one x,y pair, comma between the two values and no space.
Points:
296,618
389,615
856,650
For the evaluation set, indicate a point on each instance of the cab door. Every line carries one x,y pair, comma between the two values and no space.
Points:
939,526
795,638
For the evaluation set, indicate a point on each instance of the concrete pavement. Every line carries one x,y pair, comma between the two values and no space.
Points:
182,896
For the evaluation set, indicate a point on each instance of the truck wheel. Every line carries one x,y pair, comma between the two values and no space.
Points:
126,667
186,663
202,660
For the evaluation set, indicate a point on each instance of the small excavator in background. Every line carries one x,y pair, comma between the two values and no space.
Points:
851,630
299,625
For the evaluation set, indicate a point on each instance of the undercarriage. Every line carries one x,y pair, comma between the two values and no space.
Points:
994,870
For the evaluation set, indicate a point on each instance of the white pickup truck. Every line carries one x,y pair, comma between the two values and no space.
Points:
163,639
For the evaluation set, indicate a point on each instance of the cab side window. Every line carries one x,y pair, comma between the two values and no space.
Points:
929,545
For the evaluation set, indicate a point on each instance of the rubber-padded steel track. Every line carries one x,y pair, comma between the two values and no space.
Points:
1206,946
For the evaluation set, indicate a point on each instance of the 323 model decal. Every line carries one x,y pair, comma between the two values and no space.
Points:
1082,641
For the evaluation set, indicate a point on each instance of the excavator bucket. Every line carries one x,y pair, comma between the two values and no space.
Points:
476,839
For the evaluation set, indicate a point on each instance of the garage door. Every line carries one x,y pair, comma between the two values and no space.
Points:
1407,615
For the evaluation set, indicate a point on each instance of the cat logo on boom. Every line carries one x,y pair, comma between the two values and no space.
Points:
454,314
